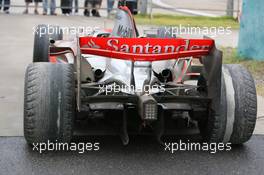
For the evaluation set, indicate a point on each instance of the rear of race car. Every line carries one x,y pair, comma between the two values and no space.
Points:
119,83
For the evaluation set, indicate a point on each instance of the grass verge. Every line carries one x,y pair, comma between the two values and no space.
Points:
255,67
194,21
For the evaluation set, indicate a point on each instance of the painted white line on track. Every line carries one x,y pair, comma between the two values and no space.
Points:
186,11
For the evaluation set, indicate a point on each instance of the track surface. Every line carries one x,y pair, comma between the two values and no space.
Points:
142,156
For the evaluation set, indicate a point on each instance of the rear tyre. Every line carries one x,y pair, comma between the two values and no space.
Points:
49,102
238,108
42,38
245,104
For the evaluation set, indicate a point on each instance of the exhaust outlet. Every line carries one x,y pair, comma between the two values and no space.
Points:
166,73
98,74
164,76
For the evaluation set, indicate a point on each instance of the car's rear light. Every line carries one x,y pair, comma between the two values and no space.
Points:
150,111
148,108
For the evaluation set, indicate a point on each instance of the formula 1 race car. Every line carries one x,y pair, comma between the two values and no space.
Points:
119,83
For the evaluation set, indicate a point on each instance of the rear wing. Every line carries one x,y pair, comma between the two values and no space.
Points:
145,49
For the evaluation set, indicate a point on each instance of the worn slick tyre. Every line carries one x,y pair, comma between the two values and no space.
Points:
43,34
245,113
49,103
238,108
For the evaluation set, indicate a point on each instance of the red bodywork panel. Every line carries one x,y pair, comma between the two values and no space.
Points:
145,49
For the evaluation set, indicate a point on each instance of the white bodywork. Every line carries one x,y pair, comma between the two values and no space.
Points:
121,70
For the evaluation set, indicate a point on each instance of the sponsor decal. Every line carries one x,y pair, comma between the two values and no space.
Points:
91,44
124,31
146,45
149,48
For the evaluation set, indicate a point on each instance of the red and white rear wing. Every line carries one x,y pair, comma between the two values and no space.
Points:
145,49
